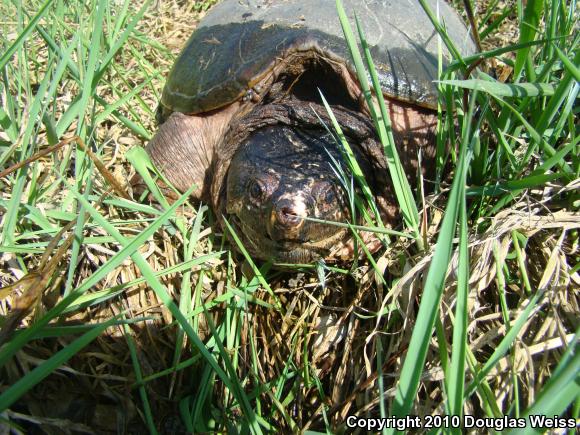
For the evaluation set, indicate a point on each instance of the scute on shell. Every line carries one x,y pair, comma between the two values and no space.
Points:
240,43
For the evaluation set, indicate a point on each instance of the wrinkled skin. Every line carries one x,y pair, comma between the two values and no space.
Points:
277,177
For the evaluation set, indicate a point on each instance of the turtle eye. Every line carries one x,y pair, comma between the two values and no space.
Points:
256,191
325,195
329,195
260,188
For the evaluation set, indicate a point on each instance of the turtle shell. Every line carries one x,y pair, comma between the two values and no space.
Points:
239,43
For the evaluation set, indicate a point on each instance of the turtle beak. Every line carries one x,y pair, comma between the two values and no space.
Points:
286,219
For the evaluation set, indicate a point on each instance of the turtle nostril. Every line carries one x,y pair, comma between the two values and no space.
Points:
287,216
287,220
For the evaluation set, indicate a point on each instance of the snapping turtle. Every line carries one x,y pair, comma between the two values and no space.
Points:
240,115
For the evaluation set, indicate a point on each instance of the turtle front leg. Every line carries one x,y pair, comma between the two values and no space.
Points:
183,147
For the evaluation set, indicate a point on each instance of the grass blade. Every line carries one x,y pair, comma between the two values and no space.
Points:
528,26
15,391
456,380
503,89
5,58
417,352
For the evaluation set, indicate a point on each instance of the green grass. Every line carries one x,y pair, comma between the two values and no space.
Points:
471,308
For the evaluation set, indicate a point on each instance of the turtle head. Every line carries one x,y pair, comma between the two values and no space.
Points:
277,179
